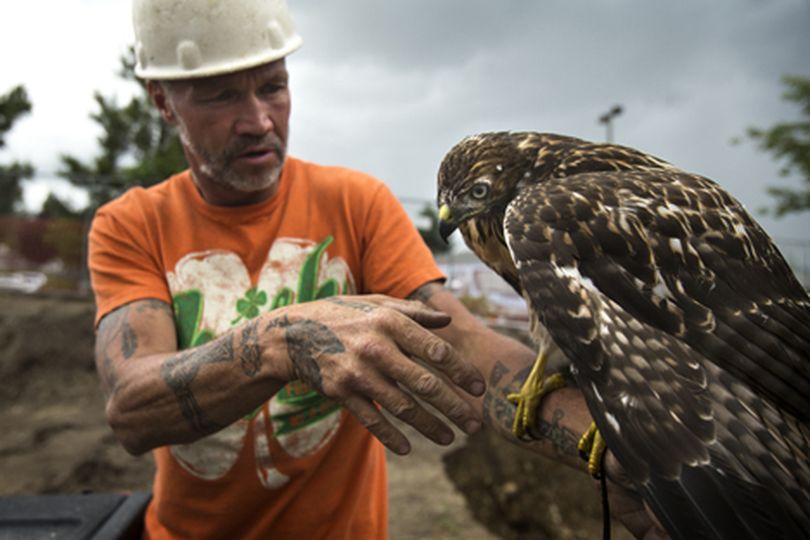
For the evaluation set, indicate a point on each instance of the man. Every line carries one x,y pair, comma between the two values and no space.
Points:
249,318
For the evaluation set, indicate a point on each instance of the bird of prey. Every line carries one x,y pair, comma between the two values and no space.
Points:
685,329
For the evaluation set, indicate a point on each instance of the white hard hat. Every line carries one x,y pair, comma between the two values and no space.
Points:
184,39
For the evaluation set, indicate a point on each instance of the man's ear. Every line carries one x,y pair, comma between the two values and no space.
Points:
157,92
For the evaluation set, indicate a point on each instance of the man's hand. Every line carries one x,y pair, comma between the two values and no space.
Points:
627,506
355,350
360,350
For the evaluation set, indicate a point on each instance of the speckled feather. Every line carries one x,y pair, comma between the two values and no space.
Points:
688,334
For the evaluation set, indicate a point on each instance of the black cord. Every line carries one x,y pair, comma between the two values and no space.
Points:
605,503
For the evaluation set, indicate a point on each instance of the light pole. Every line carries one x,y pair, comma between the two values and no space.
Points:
607,119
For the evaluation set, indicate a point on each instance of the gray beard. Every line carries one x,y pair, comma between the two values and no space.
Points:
218,168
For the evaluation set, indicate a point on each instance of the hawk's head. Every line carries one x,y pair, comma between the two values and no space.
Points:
480,175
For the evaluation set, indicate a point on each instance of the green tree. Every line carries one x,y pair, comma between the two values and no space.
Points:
137,148
12,105
430,234
789,143
54,207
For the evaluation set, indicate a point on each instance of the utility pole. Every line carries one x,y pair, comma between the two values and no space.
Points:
607,119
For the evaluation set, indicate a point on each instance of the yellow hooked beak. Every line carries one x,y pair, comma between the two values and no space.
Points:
446,224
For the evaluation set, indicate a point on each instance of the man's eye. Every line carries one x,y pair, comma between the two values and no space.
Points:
271,88
224,95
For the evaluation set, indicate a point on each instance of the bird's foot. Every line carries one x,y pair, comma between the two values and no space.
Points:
592,447
534,388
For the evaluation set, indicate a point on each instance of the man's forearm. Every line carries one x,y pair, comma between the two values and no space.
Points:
561,418
158,398
505,364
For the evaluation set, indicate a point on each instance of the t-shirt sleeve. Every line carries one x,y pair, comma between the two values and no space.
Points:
396,260
122,268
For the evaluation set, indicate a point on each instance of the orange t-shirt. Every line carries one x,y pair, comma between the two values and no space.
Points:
299,466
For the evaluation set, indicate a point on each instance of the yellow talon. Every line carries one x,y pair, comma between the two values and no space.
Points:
531,394
592,447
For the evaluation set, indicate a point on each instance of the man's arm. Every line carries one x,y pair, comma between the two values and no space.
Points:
158,395
505,363
563,415
355,350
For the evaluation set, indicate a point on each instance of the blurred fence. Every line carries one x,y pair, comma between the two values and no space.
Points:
43,254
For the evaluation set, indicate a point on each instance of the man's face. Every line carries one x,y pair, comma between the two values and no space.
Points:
234,129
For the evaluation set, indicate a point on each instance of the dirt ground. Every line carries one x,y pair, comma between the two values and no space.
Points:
55,440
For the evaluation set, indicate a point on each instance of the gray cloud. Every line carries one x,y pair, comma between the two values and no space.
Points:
389,88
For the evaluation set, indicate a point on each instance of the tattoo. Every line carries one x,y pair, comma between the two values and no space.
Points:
497,373
109,377
179,371
306,340
250,358
498,410
563,439
129,341
501,412
116,325
425,292
111,326
368,308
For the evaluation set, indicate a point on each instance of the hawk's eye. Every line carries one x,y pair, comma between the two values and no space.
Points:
480,191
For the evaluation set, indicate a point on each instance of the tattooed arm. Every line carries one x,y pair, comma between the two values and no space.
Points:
505,363
158,395
355,350
563,415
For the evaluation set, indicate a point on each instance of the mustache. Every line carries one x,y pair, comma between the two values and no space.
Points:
245,142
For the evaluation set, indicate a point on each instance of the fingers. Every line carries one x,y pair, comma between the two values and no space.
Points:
372,419
399,403
411,337
439,355
377,337
395,370
420,313
433,390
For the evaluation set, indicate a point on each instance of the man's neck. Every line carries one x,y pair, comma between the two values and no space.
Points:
217,194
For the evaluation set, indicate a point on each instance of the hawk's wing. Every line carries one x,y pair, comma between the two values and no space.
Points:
690,339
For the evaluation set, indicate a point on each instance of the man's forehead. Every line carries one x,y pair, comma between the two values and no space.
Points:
274,69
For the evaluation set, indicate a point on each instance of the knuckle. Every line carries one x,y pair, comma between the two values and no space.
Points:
384,318
373,423
438,351
338,382
403,409
371,349
427,384
458,412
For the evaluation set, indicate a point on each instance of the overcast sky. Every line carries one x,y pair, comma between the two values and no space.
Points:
389,87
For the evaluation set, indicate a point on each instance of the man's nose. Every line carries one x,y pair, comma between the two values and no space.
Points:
254,117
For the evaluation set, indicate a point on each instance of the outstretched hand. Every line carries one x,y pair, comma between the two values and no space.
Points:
360,350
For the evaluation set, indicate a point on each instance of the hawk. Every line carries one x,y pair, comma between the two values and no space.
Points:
685,329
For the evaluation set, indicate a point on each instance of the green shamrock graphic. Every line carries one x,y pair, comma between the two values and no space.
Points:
248,307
